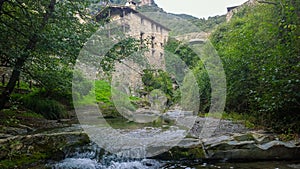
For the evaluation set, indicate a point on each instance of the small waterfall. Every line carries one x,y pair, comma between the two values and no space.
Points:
93,157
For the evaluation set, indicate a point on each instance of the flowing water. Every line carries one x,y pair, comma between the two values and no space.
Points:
93,157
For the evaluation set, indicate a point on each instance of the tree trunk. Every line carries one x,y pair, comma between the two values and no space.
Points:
12,82
20,62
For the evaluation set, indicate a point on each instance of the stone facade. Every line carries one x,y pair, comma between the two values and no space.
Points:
234,9
151,34
146,2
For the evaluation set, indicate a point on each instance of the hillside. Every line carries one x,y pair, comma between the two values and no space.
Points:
180,23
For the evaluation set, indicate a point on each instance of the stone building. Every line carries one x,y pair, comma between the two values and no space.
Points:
234,9
151,34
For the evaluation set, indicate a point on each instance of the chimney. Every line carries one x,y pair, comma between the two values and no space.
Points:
131,4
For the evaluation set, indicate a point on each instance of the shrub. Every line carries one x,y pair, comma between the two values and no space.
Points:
50,109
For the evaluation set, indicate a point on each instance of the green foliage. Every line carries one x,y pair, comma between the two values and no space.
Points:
158,79
40,40
99,92
209,24
103,91
189,64
259,48
23,160
49,108
80,86
9,118
204,87
119,52
185,53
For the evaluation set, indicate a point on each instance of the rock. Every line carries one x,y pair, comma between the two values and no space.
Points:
2,136
296,166
261,137
14,130
219,127
246,146
48,144
29,129
276,143
215,140
145,116
187,149
244,137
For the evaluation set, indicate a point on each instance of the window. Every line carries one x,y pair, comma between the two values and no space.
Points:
152,42
152,27
161,55
142,21
153,53
141,37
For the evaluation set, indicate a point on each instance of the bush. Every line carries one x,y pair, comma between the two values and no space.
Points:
260,54
50,109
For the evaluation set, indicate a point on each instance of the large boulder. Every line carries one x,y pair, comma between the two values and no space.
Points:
251,147
39,146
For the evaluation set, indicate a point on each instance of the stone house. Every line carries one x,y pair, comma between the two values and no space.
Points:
150,33
143,28
234,9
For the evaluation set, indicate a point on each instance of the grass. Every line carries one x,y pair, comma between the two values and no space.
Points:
101,92
246,119
48,108
12,112
22,160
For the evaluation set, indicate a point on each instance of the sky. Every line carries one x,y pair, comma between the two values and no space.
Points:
198,8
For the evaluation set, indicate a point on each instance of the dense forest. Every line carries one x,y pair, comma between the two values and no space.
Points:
260,51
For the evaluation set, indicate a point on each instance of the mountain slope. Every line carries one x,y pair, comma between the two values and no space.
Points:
179,23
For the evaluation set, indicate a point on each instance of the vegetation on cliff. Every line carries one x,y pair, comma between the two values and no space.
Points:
260,51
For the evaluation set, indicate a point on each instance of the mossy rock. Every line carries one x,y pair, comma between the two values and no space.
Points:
25,150
244,137
183,153
24,160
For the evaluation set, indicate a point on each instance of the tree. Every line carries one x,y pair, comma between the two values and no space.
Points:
259,48
38,36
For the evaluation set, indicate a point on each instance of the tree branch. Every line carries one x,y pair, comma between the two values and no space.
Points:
20,62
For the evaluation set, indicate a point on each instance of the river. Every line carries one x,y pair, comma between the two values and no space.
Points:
87,157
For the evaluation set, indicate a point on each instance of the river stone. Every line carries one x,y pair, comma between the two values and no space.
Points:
244,137
296,166
250,150
276,143
183,153
14,131
215,140
261,137
2,136
41,143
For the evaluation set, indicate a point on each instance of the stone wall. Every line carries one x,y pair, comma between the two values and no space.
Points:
146,2
153,35
233,10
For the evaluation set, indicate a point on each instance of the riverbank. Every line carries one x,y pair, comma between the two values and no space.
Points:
53,140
